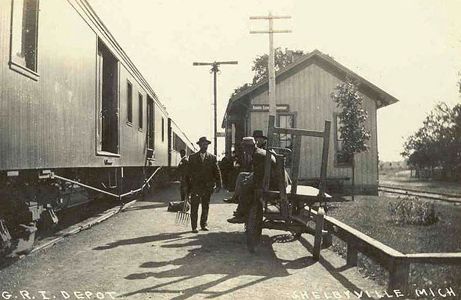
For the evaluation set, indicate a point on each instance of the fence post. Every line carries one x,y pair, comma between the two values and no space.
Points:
399,273
319,220
352,255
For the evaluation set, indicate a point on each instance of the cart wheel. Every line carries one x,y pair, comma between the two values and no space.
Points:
254,226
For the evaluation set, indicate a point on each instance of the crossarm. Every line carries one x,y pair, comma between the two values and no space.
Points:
297,131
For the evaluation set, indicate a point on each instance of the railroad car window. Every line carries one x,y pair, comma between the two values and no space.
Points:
178,143
129,102
163,129
24,33
150,122
341,158
140,111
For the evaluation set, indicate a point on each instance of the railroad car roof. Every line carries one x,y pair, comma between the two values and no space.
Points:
184,135
82,6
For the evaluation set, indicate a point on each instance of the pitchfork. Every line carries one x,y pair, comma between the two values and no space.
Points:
183,217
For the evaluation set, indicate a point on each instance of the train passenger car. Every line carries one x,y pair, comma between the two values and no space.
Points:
76,115
178,141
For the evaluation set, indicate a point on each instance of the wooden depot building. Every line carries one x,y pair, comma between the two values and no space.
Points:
303,91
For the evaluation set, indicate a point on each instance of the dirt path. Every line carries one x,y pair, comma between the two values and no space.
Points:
142,254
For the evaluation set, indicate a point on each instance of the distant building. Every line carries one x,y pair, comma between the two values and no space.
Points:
394,165
303,92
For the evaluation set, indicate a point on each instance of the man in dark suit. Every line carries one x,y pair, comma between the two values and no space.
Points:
184,176
204,176
246,198
247,177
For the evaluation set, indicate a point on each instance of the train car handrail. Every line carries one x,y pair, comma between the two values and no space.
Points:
53,176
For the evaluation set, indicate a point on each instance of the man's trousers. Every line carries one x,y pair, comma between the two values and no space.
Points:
197,198
184,190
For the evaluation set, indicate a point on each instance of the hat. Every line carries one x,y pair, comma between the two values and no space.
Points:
248,141
259,134
203,140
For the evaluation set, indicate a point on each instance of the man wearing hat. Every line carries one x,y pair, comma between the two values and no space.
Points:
260,139
258,163
246,177
204,176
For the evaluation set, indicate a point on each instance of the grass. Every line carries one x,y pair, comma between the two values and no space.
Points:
371,215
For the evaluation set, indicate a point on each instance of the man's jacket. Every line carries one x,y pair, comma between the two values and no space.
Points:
203,175
259,163
183,167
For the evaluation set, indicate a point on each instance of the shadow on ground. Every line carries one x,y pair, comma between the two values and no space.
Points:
215,264
222,254
219,253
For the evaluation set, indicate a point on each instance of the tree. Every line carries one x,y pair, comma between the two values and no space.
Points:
240,89
352,119
438,142
282,59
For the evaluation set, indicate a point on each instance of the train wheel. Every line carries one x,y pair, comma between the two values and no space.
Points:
254,226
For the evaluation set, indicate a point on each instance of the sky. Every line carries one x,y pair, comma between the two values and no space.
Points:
410,49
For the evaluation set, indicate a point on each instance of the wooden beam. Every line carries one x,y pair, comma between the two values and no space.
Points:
435,258
349,234
383,254
325,150
297,131
399,275
270,142
296,160
352,255
319,221
282,186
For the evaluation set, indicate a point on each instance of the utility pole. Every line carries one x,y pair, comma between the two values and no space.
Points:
215,69
271,69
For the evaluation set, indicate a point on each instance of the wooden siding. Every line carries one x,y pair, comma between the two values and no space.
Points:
308,93
51,123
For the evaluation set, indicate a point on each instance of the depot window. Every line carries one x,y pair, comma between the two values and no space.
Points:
286,121
24,36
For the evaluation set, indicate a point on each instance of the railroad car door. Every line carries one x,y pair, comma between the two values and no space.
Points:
99,64
107,101
170,142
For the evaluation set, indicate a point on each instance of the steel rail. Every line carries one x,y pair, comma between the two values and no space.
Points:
420,191
422,194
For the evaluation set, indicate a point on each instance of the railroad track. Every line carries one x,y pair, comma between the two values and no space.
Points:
418,193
